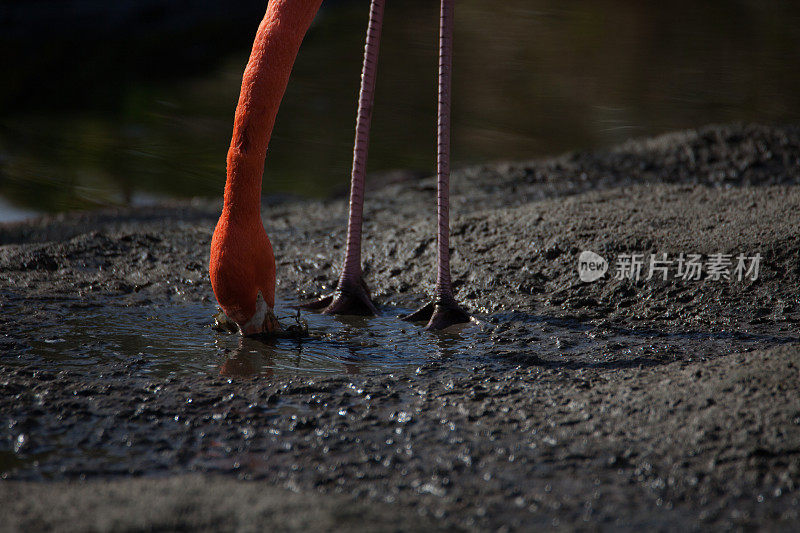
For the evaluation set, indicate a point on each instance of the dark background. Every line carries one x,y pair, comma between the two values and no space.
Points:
129,102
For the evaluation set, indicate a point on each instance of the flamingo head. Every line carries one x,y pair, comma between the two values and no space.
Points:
242,270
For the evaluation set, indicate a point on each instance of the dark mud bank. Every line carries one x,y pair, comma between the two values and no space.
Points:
634,403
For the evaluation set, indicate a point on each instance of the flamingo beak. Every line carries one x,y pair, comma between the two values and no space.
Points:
268,326
262,322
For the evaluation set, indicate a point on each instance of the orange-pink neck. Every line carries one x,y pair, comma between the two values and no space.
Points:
276,45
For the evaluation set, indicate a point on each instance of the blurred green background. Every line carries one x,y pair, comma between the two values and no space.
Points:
128,102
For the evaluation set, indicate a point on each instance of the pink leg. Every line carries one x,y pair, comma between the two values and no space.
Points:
444,289
352,296
443,311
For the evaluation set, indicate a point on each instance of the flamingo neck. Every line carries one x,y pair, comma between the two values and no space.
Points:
264,82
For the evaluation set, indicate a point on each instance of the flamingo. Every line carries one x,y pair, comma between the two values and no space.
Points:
242,263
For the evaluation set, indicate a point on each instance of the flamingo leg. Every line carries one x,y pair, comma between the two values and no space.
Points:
443,311
351,296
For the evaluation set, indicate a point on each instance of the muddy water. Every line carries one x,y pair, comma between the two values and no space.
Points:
163,350
177,340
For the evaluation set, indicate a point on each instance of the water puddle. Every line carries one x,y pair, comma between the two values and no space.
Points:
177,339
160,340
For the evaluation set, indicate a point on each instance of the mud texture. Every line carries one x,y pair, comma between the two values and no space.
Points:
617,404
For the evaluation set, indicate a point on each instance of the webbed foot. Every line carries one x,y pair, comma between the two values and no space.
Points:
439,314
347,299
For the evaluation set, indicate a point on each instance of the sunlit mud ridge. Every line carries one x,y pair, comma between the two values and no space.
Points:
630,402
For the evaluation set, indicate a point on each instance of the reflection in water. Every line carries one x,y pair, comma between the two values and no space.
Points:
334,344
256,357
251,358
95,116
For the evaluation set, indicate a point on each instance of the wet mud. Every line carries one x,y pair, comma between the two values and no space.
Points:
619,403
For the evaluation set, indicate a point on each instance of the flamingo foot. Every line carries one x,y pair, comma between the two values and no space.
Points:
439,314
347,299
